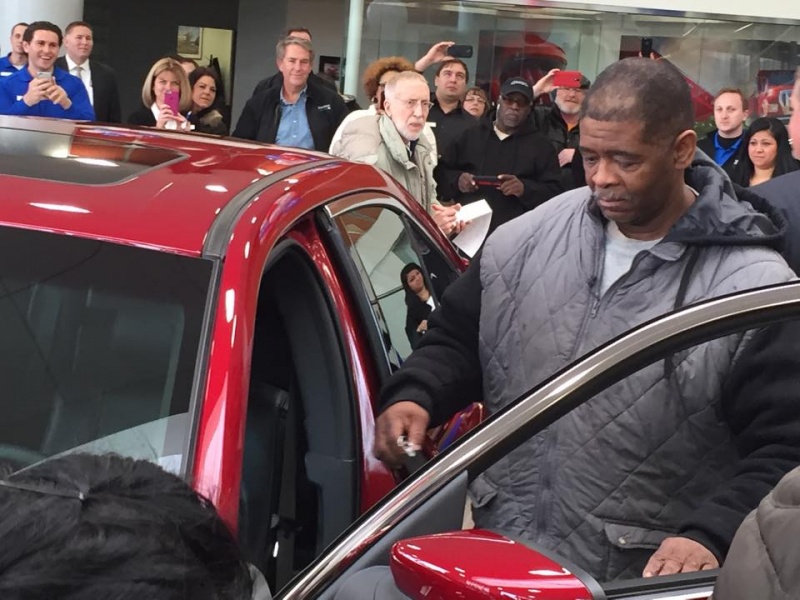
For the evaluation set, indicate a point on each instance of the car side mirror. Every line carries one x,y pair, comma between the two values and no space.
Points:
478,564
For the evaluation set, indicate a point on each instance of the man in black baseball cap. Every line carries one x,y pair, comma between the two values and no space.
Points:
506,162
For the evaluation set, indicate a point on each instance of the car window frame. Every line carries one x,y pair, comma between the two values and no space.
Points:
538,408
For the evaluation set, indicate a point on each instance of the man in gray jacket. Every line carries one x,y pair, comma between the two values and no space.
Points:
654,475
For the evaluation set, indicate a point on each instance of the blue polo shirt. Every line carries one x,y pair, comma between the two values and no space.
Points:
6,68
14,87
293,130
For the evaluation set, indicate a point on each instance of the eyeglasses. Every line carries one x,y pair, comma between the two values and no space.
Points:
412,104
520,101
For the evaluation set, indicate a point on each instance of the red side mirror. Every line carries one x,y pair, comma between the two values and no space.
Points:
479,565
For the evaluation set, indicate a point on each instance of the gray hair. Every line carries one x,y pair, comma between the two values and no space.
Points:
391,85
280,48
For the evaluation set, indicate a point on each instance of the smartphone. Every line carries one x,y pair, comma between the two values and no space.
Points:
647,47
173,100
567,79
486,181
460,51
44,75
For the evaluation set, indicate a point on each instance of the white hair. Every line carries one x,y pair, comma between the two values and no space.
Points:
391,85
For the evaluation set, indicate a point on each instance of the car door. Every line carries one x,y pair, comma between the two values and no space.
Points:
749,323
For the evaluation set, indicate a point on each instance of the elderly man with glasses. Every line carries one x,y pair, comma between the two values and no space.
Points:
506,161
393,141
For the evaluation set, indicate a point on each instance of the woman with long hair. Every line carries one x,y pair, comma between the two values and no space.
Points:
419,302
768,153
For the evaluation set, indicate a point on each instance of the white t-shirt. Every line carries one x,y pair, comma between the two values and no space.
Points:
620,252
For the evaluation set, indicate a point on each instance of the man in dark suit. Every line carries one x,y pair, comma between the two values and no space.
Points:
99,79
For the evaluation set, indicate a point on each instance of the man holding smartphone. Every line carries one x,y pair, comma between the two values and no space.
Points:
40,89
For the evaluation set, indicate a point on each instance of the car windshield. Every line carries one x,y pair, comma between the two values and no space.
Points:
99,347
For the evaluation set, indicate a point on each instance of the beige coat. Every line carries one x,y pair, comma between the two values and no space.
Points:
374,140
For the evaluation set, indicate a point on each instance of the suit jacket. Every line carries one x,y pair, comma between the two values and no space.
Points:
104,90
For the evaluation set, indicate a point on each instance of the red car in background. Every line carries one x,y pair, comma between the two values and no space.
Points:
226,309
773,94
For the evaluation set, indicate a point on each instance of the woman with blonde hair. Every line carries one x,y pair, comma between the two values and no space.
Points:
165,80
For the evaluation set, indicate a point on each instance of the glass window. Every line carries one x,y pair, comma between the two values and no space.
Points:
401,270
713,52
98,349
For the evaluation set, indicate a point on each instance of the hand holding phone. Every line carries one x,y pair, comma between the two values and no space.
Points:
487,181
646,47
567,79
460,51
173,99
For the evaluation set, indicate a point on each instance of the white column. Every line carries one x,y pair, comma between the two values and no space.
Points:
355,26
60,12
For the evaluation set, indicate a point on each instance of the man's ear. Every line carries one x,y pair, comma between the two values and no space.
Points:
26,46
684,149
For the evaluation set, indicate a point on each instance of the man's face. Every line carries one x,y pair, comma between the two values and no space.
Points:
295,65
569,100
79,43
42,50
512,111
16,39
632,180
409,108
451,82
729,114
794,123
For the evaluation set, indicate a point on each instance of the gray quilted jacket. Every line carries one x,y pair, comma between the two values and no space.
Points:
607,483
764,560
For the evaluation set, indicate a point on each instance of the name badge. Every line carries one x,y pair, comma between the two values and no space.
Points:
324,107
19,98
4,74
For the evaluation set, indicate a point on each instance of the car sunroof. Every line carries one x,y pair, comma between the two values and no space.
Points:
76,158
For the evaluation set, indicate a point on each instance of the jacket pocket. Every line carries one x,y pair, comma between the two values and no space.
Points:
629,548
482,492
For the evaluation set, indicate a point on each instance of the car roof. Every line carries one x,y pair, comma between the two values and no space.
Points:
138,186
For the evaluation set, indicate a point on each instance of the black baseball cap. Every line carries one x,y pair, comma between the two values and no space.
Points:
517,85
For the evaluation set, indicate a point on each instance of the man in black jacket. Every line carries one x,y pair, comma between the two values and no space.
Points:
519,165
298,113
724,144
99,79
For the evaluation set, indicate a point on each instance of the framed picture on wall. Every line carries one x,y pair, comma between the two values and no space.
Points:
190,41
330,66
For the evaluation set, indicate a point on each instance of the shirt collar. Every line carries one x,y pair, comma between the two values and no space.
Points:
302,96
71,64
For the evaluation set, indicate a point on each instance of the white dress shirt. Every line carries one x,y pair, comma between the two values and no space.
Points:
84,72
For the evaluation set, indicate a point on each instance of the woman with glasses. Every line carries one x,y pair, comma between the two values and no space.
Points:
476,102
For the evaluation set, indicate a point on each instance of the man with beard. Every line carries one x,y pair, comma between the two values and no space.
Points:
506,161
657,228
560,123
297,113
392,141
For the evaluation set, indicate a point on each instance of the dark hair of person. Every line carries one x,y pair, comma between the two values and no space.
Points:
643,90
83,527
21,23
378,68
199,72
75,24
784,162
292,30
450,61
733,90
404,277
42,26
477,91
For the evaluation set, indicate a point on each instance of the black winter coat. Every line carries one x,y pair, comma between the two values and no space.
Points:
551,124
261,116
526,154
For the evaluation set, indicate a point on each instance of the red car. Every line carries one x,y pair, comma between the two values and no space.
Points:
226,309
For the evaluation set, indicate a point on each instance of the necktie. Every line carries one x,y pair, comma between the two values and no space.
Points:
87,84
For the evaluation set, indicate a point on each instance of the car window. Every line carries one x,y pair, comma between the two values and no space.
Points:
98,339
402,270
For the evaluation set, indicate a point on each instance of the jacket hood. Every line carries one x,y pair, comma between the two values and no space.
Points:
720,217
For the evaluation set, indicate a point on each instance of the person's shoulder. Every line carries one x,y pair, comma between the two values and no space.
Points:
783,190
61,63
360,140
101,67
550,216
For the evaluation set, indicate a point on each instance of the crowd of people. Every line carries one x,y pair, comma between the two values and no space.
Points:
605,215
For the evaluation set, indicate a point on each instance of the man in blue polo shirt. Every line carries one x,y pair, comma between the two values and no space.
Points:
40,89
16,59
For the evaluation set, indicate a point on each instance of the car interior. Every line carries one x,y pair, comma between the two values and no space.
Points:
300,473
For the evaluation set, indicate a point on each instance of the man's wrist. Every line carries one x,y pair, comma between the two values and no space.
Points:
26,101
